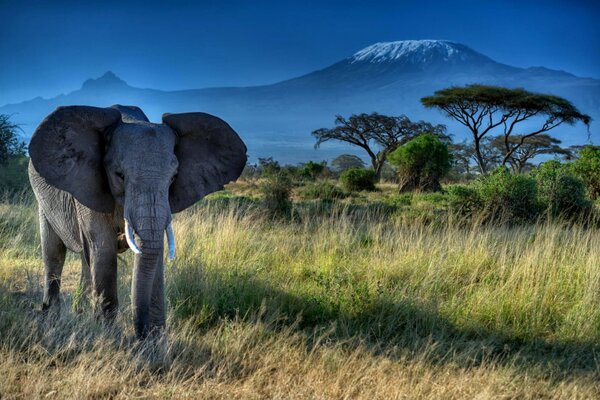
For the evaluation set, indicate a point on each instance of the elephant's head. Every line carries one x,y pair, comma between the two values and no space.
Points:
115,156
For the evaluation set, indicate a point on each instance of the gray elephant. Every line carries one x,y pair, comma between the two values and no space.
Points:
106,179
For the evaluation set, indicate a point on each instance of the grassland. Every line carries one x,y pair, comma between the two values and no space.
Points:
344,300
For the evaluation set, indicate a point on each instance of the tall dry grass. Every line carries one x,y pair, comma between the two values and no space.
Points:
330,305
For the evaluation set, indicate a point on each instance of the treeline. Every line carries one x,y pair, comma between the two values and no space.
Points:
509,129
492,174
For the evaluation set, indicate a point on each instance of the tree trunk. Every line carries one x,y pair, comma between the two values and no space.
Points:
479,157
378,167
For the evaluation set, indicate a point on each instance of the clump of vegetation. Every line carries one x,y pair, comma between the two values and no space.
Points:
421,163
508,197
560,192
277,190
322,191
13,159
268,167
587,167
312,170
464,200
498,197
357,179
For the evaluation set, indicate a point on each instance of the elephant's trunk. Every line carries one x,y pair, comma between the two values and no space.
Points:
149,223
148,288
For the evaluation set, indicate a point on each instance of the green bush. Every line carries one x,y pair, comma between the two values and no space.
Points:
508,197
356,179
311,170
559,191
322,190
13,174
421,163
464,200
276,190
268,167
499,196
587,168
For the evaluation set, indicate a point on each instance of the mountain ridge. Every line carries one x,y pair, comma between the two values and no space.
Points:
276,119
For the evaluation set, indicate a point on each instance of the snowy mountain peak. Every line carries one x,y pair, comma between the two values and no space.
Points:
414,52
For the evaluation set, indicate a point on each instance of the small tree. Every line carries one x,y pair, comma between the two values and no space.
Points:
421,163
345,161
377,134
530,148
10,144
485,108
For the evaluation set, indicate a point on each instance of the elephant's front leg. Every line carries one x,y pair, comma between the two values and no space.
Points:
104,281
53,254
100,246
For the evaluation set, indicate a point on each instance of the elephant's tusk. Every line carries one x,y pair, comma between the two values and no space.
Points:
171,241
131,238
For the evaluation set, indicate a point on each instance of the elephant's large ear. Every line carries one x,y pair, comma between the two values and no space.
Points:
67,150
210,154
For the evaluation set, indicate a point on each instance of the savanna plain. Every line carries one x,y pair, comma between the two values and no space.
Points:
339,300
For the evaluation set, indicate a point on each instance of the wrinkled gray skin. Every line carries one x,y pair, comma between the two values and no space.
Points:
91,168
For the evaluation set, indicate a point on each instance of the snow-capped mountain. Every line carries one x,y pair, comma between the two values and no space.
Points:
276,120
422,52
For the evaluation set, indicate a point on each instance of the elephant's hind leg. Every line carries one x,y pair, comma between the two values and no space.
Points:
53,254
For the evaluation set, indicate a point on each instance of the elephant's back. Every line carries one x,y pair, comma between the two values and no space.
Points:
58,207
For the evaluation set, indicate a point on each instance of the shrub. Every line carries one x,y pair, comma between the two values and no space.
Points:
508,197
311,170
587,168
421,163
559,191
276,190
322,190
13,174
268,167
464,200
355,179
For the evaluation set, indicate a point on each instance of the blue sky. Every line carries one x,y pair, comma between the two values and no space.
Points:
51,47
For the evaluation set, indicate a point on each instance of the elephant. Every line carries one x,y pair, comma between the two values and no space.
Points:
108,179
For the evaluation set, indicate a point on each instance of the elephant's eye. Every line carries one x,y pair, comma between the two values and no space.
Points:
173,179
120,175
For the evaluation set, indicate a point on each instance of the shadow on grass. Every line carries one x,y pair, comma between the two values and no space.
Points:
382,325
385,328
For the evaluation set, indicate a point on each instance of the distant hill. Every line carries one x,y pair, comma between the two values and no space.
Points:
276,120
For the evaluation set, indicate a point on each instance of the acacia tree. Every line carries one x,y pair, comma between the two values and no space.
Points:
528,149
484,108
377,134
345,161
464,155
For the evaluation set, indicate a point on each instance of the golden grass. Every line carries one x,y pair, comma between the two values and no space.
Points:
327,306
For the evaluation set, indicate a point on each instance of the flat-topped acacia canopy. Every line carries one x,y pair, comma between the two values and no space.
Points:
482,108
